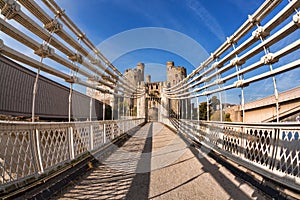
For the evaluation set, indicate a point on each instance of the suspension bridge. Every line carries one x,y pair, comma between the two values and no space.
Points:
176,155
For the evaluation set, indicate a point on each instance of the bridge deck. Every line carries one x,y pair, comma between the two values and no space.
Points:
155,163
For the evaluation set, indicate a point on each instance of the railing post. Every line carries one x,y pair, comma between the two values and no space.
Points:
104,133
91,136
103,107
186,108
191,110
123,108
221,107
71,142
91,105
33,147
198,117
243,142
179,109
118,108
207,108
275,148
38,151
112,108
113,131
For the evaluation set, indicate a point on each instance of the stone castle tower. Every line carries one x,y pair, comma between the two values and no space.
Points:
174,74
136,75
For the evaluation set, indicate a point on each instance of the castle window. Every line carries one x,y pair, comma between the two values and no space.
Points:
176,75
157,87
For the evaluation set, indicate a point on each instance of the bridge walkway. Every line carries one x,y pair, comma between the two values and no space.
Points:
155,163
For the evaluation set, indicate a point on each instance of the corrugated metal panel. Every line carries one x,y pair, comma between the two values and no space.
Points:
16,86
13,87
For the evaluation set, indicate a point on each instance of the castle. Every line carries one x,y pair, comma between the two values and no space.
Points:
153,90
151,104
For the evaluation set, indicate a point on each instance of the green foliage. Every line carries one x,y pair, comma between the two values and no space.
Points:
227,117
203,111
214,102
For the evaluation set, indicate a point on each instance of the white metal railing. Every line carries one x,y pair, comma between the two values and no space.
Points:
271,149
264,47
32,149
62,38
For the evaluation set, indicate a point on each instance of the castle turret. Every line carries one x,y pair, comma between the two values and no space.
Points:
148,78
141,70
170,64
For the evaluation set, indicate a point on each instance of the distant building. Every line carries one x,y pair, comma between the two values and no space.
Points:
149,105
264,109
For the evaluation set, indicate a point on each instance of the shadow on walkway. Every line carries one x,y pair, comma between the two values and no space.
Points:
124,172
139,188
114,175
231,188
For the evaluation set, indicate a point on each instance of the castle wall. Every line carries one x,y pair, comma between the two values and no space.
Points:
153,100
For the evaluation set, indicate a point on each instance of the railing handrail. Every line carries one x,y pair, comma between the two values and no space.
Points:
254,124
72,122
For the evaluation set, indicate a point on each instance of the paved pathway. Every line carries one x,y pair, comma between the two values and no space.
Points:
156,164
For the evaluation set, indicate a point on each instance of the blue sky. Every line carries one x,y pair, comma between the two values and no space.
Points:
207,22
190,30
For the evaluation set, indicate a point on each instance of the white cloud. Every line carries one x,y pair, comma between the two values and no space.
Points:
206,18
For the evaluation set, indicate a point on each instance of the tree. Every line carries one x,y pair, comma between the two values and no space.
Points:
203,111
227,117
214,102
